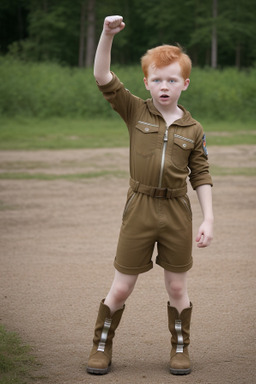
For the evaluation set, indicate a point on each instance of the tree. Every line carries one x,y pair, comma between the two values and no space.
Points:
239,31
215,34
90,41
214,57
201,33
53,32
228,29
82,35
13,23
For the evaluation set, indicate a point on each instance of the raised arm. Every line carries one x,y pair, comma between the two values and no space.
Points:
112,25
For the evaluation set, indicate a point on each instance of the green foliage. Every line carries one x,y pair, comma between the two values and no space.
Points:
45,90
15,358
226,94
49,90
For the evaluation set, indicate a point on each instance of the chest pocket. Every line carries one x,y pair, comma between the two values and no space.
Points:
145,138
182,147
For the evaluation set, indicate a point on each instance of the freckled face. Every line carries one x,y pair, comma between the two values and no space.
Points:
165,84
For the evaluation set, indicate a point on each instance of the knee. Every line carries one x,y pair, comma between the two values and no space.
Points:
176,289
121,291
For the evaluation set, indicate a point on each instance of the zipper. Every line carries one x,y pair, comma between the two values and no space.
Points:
163,157
183,138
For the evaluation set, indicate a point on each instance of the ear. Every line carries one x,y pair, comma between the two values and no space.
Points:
186,84
146,83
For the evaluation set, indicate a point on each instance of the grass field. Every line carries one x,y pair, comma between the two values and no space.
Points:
15,358
59,133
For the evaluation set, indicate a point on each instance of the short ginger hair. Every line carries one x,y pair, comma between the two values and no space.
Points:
164,55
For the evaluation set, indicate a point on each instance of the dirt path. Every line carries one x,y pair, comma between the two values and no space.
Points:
57,242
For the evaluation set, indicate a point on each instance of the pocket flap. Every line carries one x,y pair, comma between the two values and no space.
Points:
183,142
147,127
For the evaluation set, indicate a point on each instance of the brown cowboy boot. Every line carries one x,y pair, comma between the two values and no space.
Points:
179,326
101,353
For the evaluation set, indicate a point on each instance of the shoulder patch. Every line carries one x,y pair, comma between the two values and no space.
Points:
204,145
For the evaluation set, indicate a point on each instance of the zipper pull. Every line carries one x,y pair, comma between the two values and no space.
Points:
166,135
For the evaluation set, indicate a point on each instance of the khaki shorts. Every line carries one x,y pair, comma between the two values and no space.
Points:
148,221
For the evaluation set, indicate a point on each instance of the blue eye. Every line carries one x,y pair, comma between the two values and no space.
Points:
172,81
156,80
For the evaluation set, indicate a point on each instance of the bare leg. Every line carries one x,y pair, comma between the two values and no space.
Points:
120,290
176,286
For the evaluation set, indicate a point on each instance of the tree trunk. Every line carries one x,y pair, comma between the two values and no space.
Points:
45,6
90,43
214,34
238,56
82,35
20,23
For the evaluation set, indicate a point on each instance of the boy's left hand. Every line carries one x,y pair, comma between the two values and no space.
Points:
205,234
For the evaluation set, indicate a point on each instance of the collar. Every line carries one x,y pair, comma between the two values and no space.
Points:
185,121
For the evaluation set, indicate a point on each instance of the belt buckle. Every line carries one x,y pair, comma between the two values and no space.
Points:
161,193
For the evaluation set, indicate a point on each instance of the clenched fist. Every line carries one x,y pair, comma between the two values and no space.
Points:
113,25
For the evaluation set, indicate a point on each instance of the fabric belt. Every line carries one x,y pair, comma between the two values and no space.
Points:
164,193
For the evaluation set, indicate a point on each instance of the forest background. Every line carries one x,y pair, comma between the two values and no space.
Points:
47,49
214,32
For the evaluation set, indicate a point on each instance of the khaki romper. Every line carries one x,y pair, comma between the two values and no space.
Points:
158,209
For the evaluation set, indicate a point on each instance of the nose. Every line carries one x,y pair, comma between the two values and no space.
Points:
164,85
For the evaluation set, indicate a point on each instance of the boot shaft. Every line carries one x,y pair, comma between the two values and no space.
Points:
105,326
179,326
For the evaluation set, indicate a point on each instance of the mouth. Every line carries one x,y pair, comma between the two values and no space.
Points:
164,97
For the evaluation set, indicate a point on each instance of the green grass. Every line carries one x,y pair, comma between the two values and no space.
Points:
16,360
227,133
75,176
215,171
61,133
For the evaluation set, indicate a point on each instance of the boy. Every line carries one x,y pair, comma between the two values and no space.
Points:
166,146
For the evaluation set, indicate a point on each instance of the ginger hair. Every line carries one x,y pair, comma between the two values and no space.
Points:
165,55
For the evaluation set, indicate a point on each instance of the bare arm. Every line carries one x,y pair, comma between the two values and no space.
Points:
112,25
205,232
